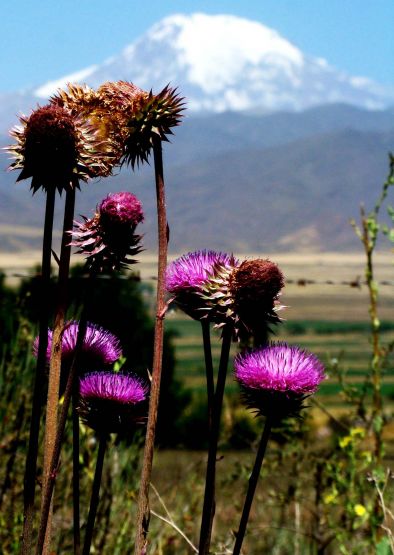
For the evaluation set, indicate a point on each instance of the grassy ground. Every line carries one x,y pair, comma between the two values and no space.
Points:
292,511
349,345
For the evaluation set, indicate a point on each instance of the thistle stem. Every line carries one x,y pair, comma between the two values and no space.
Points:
143,498
32,451
50,484
56,351
368,234
252,486
208,512
94,499
206,336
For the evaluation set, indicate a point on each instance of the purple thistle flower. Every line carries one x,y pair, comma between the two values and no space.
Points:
111,402
122,388
99,348
276,379
280,367
187,275
109,239
194,268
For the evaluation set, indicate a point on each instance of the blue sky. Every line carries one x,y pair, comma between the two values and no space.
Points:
45,39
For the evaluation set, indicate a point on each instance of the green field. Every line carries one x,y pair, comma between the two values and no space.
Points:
347,342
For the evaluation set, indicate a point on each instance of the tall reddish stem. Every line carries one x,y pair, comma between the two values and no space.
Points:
143,499
32,451
48,489
56,351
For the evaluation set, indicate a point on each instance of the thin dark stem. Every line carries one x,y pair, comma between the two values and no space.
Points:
254,477
32,451
143,498
56,351
208,511
206,336
48,489
76,494
94,500
376,364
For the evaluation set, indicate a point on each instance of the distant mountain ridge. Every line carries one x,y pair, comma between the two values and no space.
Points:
232,131
286,181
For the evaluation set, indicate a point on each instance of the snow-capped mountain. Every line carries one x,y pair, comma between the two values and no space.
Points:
223,62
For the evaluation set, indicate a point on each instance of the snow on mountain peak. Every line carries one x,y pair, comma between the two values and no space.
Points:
217,49
224,62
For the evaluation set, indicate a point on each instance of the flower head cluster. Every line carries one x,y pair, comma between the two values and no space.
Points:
99,348
87,104
112,402
108,240
57,148
276,379
218,286
84,133
187,276
140,117
128,119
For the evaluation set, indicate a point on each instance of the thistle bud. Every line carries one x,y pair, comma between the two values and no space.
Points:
108,240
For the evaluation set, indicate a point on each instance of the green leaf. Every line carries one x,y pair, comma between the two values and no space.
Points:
119,363
377,424
372,223
383,547
378,475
